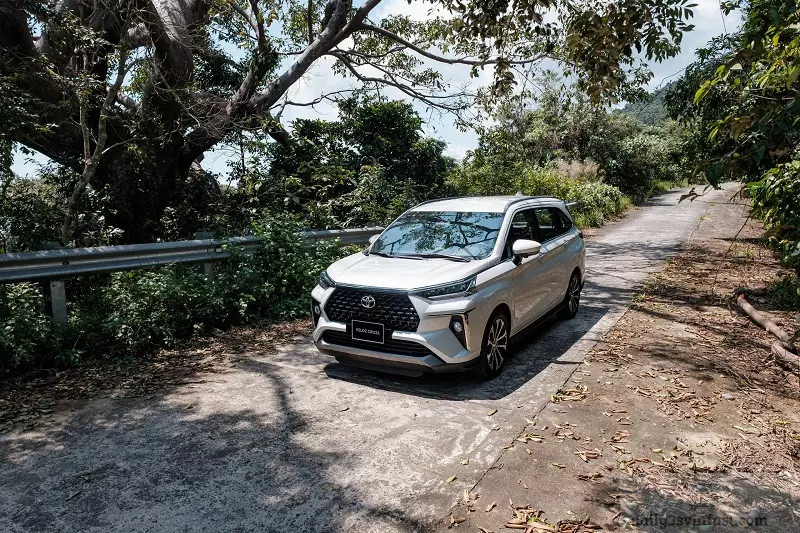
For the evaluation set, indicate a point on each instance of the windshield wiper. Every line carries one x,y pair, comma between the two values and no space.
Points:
444,256
384,254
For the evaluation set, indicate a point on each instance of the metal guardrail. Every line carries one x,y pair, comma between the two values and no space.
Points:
72,262
51,267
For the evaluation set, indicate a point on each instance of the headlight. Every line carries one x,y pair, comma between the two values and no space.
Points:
458,288
325,280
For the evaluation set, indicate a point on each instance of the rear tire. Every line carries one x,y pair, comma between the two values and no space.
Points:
572,299
494,348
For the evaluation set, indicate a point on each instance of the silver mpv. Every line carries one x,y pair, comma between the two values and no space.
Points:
448,284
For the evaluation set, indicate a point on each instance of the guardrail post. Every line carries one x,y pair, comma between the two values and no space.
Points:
208,268
55,295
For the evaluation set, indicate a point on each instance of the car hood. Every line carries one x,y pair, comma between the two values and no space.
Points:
400,273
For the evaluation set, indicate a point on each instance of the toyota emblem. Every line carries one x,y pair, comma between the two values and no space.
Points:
367,301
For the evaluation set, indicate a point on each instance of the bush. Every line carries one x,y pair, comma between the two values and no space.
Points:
784,293
776,200
595,201
26,334
133,312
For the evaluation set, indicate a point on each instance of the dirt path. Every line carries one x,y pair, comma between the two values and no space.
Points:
676,421
285,439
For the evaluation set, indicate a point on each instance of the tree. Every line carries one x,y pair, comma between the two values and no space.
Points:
740,98
364,168
563,124
185,91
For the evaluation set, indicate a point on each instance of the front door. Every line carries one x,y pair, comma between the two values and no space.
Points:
530,292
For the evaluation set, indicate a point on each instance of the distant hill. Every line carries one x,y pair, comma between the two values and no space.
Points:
650,111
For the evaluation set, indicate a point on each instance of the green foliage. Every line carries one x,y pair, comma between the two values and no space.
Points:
595,201
133,312
651,110
785,293
740,99
776,200
26,335
365,168
562,127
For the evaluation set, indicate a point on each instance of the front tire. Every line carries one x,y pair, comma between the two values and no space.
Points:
494,349
572,298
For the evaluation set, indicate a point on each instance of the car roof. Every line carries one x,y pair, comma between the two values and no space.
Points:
482,204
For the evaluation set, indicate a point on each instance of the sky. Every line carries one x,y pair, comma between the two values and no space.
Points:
708,20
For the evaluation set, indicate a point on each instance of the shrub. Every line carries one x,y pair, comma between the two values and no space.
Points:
784,292
595,201
26,335
776,200
133,312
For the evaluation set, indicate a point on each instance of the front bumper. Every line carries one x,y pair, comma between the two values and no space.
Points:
434,346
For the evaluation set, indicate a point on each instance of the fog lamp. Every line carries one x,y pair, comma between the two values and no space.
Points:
457,327
316,311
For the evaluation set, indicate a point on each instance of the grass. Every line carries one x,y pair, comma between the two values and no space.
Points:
784,293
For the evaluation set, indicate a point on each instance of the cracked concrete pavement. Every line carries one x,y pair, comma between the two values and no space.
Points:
295,441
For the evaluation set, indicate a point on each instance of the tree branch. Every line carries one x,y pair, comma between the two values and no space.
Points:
441,59
92,161
310,21
428,99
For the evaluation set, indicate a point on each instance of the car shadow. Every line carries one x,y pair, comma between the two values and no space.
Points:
534,351
608,289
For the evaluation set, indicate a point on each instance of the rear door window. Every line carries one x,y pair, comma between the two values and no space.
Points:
552,223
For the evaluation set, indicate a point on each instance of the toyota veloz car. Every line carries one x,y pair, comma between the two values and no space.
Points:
448,284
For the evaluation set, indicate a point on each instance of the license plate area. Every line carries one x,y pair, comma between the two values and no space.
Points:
367,331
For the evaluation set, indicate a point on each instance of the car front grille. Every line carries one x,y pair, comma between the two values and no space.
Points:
392,346
392,309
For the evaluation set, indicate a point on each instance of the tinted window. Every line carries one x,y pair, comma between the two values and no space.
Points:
566,223
520,229
468,235
552,223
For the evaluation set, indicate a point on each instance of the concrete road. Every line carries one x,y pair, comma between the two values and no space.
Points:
297,442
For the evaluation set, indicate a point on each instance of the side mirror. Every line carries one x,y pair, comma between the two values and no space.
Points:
525,248
373,239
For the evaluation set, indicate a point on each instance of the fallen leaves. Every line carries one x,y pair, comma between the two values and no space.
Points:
527,518
570,395
586,455
530,437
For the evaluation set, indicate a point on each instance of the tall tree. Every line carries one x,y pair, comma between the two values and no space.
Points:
202,70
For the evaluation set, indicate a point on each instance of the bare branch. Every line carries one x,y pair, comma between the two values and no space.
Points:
328,96
92,161
245,15
429,99
441,59
310,21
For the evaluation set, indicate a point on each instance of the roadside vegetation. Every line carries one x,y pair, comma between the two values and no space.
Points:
365,168
127,143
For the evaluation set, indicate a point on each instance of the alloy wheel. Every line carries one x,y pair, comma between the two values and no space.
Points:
574,294
497,343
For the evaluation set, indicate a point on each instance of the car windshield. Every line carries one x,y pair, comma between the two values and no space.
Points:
459,235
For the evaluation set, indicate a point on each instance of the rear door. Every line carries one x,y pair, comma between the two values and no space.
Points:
551,233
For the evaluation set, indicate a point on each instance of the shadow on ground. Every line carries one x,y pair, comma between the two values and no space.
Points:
164,465
729,503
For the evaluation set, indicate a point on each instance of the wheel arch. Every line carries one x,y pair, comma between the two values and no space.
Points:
505,309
